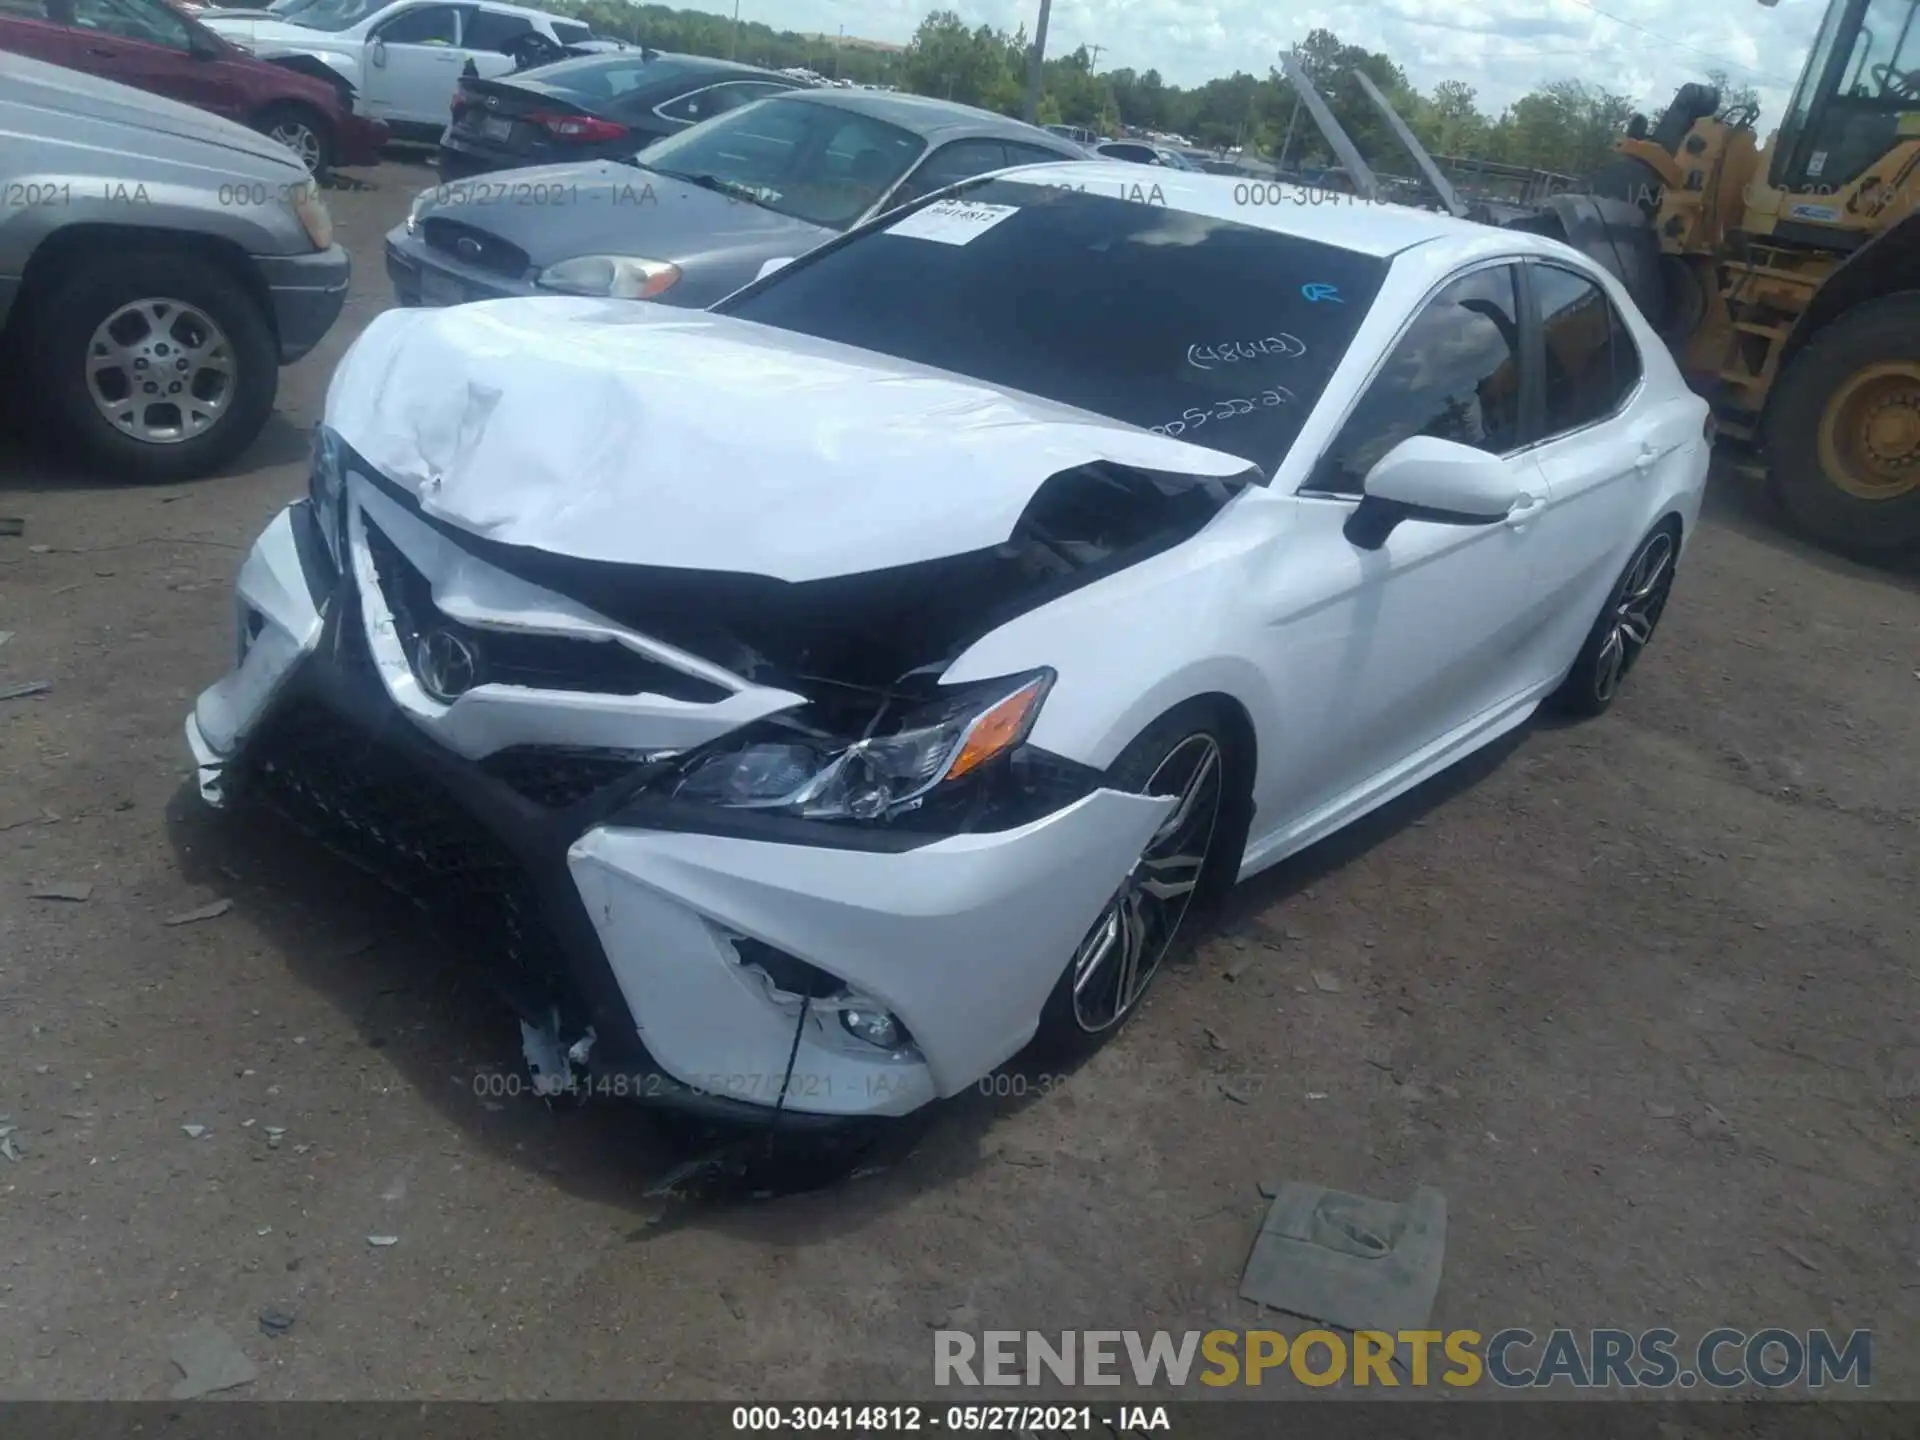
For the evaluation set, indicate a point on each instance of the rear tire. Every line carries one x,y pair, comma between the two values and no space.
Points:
109,305
1843,430
303,131
1190,752
1623,629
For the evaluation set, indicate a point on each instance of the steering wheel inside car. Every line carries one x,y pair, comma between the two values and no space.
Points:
1902,84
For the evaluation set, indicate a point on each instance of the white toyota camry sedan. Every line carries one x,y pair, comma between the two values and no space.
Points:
802,706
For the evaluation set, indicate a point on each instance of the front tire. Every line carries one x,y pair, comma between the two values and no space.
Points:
1624,628
1843,431
303,131
153,367
1187,753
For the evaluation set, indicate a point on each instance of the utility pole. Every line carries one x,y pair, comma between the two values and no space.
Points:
1032,108
1094,63
733,45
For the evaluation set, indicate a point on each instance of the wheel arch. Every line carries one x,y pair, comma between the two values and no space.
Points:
71,246
1243,756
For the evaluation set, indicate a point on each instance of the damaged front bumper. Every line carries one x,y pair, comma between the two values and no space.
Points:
654,939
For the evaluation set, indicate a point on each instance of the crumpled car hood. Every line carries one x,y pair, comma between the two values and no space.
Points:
632,433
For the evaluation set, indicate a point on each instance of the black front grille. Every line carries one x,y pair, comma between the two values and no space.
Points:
536,662
556,777
377,810
476,247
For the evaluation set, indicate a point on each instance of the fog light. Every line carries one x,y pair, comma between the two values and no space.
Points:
876,1027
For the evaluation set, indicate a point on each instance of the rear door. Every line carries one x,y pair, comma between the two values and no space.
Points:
142,43
1605,437
26,28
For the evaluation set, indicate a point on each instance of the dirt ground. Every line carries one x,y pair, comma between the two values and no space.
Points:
1639,996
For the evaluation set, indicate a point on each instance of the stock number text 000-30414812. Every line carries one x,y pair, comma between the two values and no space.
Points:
963,1419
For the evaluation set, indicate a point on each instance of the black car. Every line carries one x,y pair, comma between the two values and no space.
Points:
592,106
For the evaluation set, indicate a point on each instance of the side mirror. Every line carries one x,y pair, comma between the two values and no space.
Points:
777,263
377,53
1426,478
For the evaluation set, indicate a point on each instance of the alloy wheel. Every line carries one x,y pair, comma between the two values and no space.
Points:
1118,959
1636,610
160,371
300,138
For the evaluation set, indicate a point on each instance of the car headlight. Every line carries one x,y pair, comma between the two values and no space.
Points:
879,775
311,210
623,277
327,490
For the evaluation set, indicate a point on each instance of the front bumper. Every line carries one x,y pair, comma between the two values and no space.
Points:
586,915
424,276
307,293
361,140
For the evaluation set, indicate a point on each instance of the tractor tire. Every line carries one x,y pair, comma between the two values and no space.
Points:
1842,430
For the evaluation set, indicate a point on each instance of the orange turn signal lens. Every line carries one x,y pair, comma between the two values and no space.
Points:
998,729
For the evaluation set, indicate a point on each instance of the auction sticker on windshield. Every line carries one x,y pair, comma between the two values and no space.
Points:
952,222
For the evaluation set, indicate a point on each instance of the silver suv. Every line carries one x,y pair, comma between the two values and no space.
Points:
157,266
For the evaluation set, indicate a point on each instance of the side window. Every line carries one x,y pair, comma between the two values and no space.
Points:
1454,374
692,107
732,96
493,30
144,20
425,25
571,34
961,160
1018,154
1591,360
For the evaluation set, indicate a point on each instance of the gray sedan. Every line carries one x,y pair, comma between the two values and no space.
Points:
697,215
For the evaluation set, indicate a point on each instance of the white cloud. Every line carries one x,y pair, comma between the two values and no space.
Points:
1501,47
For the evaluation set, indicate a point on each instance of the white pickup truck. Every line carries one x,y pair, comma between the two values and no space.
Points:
403,57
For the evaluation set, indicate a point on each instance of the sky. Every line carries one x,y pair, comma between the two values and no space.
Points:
1641,48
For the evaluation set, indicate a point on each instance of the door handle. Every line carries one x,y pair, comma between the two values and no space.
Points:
1526,509
1645,460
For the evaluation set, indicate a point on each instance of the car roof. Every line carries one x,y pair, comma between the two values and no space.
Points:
500,8
673,67
1368,227
935,120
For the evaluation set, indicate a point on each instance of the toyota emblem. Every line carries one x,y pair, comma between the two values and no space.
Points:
468,247
448,666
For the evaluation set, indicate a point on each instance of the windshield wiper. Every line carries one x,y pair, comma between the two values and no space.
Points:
732,189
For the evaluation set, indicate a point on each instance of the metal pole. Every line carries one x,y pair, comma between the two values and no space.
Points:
1032,107
733,45
1287,144
1364,183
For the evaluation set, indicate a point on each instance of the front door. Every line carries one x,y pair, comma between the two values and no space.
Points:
1387,651
413,64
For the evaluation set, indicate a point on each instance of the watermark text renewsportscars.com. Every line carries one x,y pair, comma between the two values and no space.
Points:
1723,1359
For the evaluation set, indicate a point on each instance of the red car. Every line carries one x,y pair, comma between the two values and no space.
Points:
152,46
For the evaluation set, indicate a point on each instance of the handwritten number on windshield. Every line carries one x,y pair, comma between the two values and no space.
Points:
1196,416
1209,357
